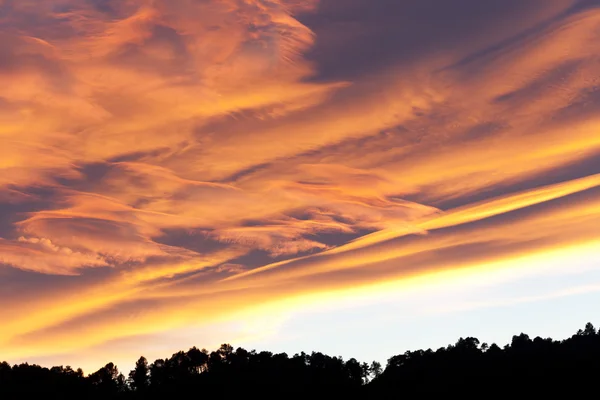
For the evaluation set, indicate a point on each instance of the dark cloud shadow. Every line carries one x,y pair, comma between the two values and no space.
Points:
585,106
524,213
190,239
337,239
357,37
140,155
32,199
20,286
586,166
538,86
498,49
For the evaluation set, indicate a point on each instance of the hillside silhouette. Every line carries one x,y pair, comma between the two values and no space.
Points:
532,368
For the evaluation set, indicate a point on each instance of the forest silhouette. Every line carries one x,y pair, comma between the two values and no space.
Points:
526,367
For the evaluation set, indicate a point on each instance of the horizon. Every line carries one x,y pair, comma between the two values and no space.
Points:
383,363
357,177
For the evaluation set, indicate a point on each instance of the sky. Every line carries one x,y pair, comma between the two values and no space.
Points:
357,177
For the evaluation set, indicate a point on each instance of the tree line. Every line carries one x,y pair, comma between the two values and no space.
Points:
468,368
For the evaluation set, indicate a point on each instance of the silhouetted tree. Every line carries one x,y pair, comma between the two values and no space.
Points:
139,377
375,369
108,380
198,359
538,368
589,329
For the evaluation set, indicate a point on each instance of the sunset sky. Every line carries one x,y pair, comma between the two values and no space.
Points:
358,177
